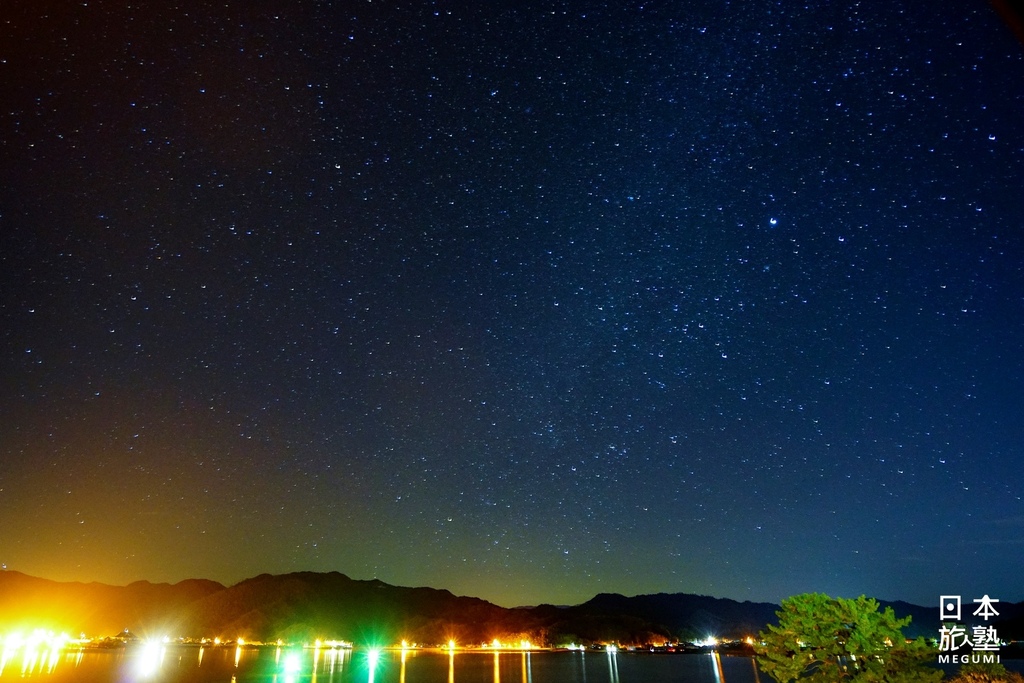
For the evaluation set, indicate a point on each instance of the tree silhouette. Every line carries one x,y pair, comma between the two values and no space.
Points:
821,639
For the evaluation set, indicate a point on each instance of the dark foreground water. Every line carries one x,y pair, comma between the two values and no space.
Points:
181,664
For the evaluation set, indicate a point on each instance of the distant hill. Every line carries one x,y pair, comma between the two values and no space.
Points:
307,605
297,606
689,617
95,608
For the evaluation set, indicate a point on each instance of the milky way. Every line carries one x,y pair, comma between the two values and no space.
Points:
526,302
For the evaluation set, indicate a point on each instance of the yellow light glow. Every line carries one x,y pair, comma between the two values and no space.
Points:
29,657
41,648
451,645
334,644
13,642
151,657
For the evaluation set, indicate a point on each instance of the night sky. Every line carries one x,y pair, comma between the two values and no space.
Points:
528,301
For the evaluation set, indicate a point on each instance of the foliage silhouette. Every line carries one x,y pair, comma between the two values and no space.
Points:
820,639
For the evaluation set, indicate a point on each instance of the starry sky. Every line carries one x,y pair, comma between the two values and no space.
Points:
528,301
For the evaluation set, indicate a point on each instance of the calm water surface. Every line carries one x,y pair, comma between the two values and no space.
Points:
184,664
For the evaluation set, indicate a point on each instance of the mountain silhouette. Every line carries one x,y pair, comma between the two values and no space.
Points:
303,606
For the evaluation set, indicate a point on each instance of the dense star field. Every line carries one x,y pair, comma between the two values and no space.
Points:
528,301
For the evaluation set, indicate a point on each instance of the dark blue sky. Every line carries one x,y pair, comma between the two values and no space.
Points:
526,302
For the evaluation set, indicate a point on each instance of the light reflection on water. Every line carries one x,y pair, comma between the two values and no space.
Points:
170,663
33,660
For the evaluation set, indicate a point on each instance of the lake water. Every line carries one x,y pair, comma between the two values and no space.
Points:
190,664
